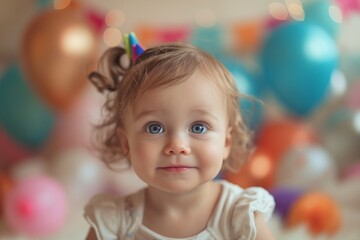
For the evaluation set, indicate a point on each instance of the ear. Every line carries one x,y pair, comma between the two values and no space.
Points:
124,144
228,143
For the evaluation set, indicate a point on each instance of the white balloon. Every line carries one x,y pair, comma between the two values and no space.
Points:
80,172
306,167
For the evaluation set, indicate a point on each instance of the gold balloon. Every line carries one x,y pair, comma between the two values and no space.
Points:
59,46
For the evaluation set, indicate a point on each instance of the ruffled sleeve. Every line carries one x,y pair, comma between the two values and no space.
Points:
102,213
243,219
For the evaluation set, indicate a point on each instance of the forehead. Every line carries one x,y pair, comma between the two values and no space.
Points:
195,92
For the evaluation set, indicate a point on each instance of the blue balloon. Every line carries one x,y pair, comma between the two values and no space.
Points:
22,114
297,60
251,107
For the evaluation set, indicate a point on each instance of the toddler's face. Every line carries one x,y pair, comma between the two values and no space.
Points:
177,136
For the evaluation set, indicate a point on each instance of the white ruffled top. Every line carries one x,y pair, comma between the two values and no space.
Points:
115,218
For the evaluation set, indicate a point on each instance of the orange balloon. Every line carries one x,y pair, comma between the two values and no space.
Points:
318,211
259,170
58,48
277,137
6,184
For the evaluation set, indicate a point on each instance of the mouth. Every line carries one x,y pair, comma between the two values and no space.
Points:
175,168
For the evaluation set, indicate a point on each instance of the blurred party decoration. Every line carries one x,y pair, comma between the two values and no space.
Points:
42,4
340,136
306,167
272,23
96,19
173,34
259,170
338,84
284,199
79,172
30,167
211,39
10,151
146,34
276,137
318,12
352,171
296,10
115,18
318,211
278,15
36,207
154,35
6,184
58,49
297,60
75,125
23,117
353,97
248,35
348,6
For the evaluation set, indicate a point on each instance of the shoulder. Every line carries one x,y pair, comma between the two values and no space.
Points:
108,214
253,198
243,204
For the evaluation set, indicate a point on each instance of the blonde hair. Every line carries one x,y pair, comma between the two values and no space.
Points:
163,65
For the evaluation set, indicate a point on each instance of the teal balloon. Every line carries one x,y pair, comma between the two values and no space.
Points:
22,114
317,12
251,105
297,61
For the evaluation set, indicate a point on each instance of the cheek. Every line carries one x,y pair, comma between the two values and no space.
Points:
211,154
142,149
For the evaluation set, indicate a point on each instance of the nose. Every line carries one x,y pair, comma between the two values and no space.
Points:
177,144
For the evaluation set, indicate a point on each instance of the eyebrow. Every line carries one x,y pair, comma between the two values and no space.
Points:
153,111
204,112
146,113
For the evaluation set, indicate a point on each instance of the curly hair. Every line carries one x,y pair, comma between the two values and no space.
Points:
163,65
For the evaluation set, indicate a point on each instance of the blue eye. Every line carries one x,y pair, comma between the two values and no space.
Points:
154,128
198,128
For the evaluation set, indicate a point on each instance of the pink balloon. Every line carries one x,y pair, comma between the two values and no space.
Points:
36,207
353,100
10,151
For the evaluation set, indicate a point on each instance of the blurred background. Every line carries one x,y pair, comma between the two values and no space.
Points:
301,59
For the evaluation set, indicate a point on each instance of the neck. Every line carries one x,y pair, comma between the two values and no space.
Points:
164,201
164,212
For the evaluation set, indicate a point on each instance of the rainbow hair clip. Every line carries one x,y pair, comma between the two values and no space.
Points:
132,46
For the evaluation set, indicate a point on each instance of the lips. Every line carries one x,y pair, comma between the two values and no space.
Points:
175,168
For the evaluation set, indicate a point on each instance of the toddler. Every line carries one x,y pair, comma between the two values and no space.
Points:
173,116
